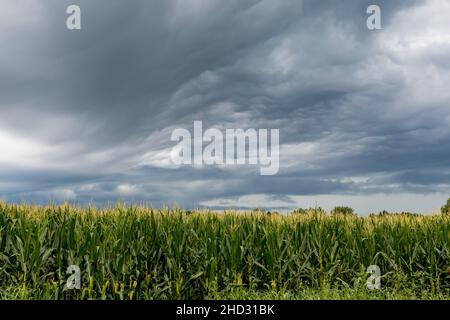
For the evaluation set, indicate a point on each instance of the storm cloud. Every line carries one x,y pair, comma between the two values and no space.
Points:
86,115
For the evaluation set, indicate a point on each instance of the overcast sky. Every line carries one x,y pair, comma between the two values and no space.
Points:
364,116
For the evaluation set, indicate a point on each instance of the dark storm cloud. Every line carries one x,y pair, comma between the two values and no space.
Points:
360,111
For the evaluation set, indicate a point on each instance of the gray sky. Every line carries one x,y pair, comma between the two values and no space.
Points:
364,116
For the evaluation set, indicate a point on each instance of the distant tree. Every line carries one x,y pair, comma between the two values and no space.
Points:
343,210
410,214
300,211
379,214
317,210
446,208
403,213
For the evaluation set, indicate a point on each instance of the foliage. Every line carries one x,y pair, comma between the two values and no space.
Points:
343,210
446,208
317,210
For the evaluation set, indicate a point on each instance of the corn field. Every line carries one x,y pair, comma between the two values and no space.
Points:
136,252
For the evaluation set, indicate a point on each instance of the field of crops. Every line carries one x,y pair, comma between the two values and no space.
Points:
143,253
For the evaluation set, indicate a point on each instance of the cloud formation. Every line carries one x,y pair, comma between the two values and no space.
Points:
87,115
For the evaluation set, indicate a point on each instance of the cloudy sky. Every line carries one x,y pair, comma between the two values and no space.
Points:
364,116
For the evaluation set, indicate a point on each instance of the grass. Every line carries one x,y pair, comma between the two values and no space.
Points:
138,252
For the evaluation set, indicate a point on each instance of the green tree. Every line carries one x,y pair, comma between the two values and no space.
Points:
343,210
316,210
300,211
446,208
